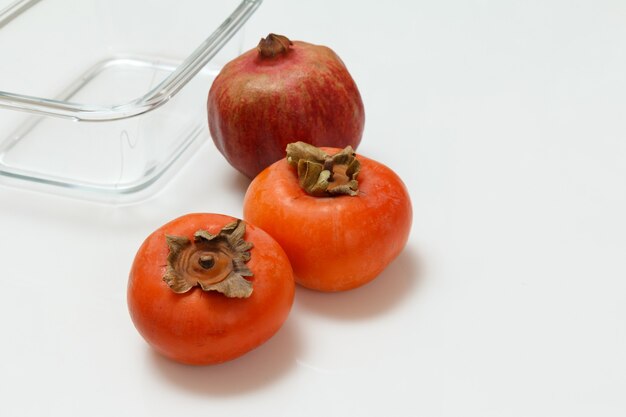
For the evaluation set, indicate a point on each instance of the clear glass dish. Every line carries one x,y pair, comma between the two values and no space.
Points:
100,98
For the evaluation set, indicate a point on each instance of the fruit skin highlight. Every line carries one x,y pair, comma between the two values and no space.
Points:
334,243
207,327
279,93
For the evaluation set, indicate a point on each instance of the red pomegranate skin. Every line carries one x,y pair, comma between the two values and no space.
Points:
257,105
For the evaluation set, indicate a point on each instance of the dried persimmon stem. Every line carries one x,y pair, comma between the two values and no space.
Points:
213,262
323,175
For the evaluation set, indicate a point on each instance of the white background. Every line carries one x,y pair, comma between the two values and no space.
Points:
506,121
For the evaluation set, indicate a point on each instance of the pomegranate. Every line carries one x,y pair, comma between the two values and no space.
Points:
279,93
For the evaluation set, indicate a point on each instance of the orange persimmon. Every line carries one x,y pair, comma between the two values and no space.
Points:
338,229
207,288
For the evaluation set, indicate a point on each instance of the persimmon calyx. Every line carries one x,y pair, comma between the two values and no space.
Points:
323,175
213,262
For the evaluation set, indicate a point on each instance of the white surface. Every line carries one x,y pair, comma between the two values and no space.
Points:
507,121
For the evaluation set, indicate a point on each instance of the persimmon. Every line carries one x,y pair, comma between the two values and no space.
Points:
340,217
207,288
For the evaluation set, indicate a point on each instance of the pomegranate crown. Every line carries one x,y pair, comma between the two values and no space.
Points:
273,45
